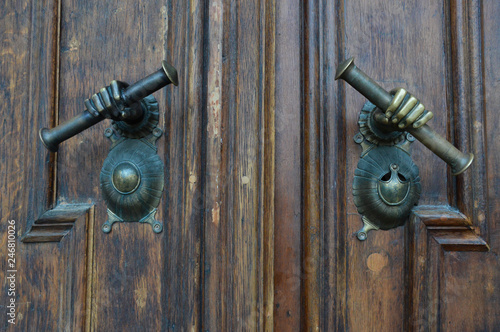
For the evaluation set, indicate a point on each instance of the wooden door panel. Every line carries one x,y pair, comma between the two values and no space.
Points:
54,287
258,213
366,284
27,172
100,42
287,200
238,171
401,54
140,278
183,200
370,280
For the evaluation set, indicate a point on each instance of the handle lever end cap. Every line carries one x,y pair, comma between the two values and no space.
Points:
462,167
342,67
44,134
171,72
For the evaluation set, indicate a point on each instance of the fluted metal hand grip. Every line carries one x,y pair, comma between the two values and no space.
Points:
51,138
457,160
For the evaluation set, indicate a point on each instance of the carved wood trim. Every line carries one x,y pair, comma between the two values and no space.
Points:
267,158
55,224
237,164
450,228
433,228
467,87
311,174
424,273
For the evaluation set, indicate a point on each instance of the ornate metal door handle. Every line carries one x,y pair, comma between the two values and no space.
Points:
134,93
386,182
457,160
132,177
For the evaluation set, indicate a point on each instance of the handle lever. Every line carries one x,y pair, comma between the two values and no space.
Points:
457,160
51,138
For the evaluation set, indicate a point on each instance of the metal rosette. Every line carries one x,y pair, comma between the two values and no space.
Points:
132,180
145,126
373,134
386,186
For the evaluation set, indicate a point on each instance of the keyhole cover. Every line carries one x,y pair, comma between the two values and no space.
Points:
132,179
393,187
386,186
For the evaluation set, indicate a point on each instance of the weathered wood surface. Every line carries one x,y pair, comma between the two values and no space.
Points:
421,47
258,214
288,212
55,224
207,269
101,42
50,283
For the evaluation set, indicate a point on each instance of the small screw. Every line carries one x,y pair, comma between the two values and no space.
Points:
361,236
157,132
358,138
157,228
108,132
394,166
410,137
106,228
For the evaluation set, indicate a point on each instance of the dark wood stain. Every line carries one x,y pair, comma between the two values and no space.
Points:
287,266
258,214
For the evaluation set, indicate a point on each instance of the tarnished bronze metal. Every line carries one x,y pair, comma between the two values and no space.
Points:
393,189
386,182
132,176
132,94
457,160
126,177
51,138
386,186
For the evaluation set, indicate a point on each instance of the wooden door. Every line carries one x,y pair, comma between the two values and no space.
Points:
258,212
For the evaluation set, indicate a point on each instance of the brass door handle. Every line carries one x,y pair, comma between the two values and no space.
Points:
51,138
132,176
386,183
457,160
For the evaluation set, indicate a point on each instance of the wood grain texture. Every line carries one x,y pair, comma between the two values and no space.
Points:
474,278
215,237
336,190
258,213
384,42
288,213
384,39
443,275
239,149
312,164
433,232
28,73
14,72
121,40
450,228
182,149
268,160
464,277
220,161
424,274
51,278
467,84
491,76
